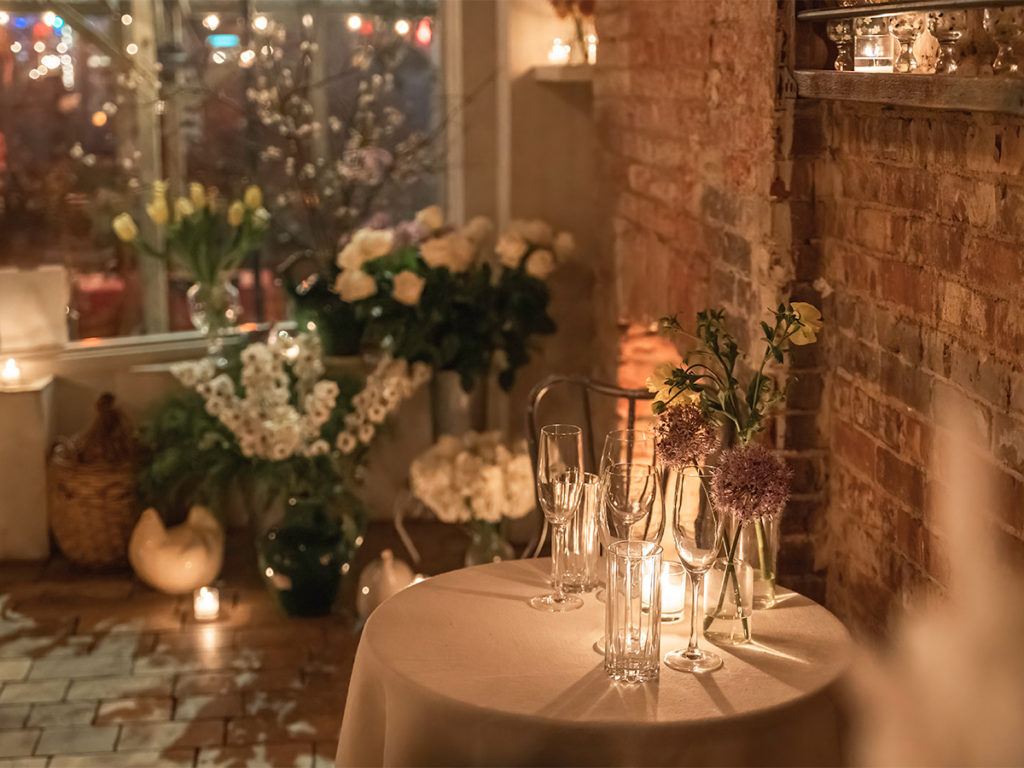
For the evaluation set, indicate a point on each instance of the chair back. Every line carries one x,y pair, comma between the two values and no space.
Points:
587,389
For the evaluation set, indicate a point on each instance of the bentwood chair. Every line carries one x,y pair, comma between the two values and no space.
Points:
588,390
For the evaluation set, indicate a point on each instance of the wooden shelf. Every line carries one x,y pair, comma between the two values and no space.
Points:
975,94
564,73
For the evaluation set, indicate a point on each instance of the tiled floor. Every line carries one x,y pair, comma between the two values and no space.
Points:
100,670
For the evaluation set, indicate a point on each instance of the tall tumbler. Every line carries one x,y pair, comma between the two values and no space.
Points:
582,556
632,642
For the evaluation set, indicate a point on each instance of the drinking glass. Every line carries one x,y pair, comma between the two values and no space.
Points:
628,500
633,611
559,488
625,449
582,545
697,526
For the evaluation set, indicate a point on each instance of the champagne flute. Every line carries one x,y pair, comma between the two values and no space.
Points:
624,448
697,526
560,489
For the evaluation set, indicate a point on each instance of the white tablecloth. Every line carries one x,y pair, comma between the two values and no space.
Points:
460,670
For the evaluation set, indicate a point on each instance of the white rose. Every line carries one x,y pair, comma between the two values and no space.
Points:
461,253
565,246
430,219
375,242
354,284
477,230
408,287
534,231
540,264
351,256
510,249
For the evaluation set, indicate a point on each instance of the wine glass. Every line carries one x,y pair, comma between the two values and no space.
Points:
628,499
559,488
697,526
625,448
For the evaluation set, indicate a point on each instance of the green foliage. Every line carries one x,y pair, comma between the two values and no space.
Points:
710,370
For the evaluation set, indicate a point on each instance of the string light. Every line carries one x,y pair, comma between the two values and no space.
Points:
39,47
49,17
62,47
355,21
402,27
211,22
131,49
219,57
246,58
99,118
4,18
260,23
423,32
34,74
307,20
15,47
51,61
126,19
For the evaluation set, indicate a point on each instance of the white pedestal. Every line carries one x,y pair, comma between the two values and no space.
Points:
26,433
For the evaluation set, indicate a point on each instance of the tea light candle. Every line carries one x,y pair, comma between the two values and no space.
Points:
206,603
673,591
11,373
559,53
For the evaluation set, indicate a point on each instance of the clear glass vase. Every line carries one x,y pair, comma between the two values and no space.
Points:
214,308
488,544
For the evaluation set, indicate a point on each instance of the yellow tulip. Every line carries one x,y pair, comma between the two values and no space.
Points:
212,193
236,213
253,197
125,228
810,323
158,211
197,194
183,208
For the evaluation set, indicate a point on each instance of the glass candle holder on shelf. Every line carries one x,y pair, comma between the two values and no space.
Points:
840,32
1004,27
559,53
872,45
947,27
906,28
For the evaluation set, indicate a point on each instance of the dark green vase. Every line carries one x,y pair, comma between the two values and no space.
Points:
304,559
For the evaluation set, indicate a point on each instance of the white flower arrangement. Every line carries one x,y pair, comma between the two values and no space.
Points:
271,421
474,477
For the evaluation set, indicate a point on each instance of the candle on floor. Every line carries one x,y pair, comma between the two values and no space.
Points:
206,603
673,591
11,373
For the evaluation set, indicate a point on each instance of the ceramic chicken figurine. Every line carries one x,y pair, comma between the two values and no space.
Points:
178,559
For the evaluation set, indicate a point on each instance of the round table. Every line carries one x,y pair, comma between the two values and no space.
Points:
460,670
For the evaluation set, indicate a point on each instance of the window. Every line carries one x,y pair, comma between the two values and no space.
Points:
329,107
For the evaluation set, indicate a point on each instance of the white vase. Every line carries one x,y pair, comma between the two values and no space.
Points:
456,411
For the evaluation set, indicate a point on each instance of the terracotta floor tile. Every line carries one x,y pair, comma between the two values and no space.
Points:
257,756
15,669
324,753
23,762
256,730
154,709
77,739
169,758
81,666
33,692
287,706
120,687
18,743
159,736
208,637
64,713
206,707
230,681
310,637
14,715
128,619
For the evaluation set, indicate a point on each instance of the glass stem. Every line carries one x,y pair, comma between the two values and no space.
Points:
557,558
696,582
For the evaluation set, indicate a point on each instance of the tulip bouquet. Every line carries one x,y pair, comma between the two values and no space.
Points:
424,291
698,401
201,236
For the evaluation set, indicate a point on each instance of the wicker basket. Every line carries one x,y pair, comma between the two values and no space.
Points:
91,491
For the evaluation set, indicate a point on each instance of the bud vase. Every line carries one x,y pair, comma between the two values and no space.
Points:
213,308
729,593
488,544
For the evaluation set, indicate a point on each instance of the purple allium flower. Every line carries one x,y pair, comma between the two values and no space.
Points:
684,437
751,483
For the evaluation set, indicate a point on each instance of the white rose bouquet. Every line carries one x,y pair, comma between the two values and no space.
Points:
428,292
474,480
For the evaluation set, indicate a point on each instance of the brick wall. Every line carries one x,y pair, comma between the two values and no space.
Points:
720,190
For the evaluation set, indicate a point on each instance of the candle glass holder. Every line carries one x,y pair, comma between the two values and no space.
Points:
947,27
906,28
840,32
872,45
673,591
206,603
1004,27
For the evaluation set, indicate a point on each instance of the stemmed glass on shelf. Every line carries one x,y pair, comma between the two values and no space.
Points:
559,488
697,527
